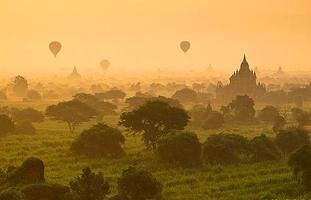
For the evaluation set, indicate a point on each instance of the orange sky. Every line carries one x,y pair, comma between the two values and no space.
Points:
145,34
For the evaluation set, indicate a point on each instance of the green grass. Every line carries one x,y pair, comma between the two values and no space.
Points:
245,181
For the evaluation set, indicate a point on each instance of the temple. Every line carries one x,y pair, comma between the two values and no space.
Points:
242,82
74,75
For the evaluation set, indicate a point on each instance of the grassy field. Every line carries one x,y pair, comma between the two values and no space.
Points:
245,181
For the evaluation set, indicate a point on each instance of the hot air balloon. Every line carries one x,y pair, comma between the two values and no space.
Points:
185,46
55,47
104,64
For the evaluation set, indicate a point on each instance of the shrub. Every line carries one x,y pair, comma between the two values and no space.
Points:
100,140
263,149
268,114
11,194
89,186
31,171
137,184
6,125
25,127
170,151
300,161
44,191
225,148
290,139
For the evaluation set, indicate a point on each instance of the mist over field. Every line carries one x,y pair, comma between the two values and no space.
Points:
155,100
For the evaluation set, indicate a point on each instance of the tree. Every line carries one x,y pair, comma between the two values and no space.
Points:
33,95
300,161
290,139
135,184
90,186
214,120
72,112
263,149
199,113
169,150
6,125
225,148
101,107
185,95
298,101
268,114
279,123
154,119
243,107
27,114
20,86
100,140
114,94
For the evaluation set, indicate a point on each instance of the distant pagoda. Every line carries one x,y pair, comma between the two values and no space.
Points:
242,82
74,75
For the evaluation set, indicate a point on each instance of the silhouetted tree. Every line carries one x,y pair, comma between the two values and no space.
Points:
225,148
114,94
99,140
27,114
290,139
72,112
24,127
169,150
154,119
300,161
263,149
135,184
268,114
20,86
6,125
243,108
214,120
33,95
89,186
185,95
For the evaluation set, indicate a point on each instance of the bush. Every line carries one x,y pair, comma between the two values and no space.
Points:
6,125
100,140
170,151
44,191
89,186
137,184
11,194
25,127
31,171
225,148
263,149
214,120
291,139
300,161
268,114
28,114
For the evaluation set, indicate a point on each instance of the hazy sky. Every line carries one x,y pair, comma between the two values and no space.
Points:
145,34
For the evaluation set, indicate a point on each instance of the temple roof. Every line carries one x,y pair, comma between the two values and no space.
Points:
244,65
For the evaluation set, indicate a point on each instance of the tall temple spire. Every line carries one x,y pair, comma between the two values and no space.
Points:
244,65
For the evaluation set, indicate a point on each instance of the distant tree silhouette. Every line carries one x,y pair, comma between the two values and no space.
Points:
27,114
298,101
3,95
6,125
33,95
243,108
20,86
114,94
154,119
185,95
268,114
263,149
72,112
